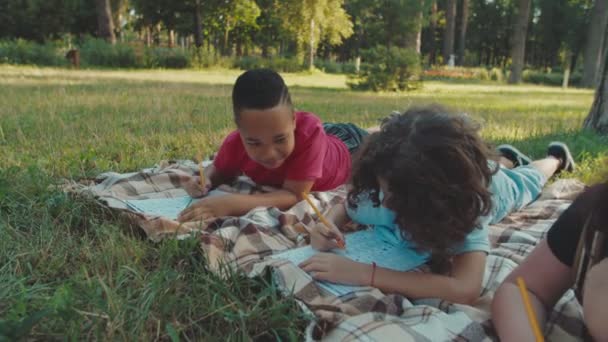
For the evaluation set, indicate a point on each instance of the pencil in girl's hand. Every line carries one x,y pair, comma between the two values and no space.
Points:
201,171
341,242
530,310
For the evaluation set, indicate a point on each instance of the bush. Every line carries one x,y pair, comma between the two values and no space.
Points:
167,58
25,52
462,73
496,74
281,64
550,78
388,69
98,52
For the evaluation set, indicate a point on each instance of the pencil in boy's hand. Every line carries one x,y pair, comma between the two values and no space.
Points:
201,171
530,310
341,243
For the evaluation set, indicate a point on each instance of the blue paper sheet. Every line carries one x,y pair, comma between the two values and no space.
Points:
366,247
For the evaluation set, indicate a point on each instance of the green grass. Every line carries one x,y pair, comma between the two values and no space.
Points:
71,270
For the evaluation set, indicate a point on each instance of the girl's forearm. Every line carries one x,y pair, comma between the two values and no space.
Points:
509,314
417,285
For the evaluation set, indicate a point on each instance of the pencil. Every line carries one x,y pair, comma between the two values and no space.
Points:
341,242
201,170
529,310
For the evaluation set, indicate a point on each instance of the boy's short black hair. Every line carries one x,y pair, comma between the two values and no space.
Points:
259,89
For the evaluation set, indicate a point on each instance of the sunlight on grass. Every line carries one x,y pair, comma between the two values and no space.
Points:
84,274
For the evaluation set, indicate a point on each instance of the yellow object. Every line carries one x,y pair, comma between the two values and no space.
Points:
530,310
341,242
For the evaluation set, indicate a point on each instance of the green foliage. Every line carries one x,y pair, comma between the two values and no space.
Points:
496,74
550,78
332,67
388,69
312,21
98,52
464,73
167,58
276,63
26,52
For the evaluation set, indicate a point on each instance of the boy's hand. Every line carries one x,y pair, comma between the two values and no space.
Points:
325,238
206,208
337,269
194,189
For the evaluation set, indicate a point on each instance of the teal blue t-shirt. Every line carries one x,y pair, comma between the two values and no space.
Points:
511,190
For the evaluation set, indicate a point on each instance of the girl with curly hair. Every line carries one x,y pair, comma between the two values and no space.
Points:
428,182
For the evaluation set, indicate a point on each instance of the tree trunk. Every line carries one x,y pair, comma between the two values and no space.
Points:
433,29
311,57
148,35
595,40
450,30
171,41
198,24
105,26
413,38
518,41
463,31
226,49
598,116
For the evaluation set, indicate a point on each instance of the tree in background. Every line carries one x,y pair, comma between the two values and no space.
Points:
598,116
518,45
104,20
464,19
450,30
311,20
594,43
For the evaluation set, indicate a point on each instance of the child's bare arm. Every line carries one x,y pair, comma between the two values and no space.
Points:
546,280
462,286
240,204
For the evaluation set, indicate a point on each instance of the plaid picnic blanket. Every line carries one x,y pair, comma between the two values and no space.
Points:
370,315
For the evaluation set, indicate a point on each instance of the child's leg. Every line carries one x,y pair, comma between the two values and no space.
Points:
547,166
350,134
514,189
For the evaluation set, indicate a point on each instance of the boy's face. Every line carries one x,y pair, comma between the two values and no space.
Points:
268,134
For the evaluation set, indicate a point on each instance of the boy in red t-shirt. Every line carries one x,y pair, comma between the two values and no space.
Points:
276,146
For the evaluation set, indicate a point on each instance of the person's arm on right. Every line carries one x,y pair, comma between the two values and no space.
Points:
546,279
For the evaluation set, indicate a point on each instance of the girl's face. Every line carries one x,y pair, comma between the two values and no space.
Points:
268,134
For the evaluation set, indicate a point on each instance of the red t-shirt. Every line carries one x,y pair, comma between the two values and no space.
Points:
316,156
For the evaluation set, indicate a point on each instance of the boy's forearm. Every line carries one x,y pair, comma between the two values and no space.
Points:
337,214
240,204
509,314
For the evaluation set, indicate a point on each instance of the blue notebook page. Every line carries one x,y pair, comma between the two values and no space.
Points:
166,207
366,247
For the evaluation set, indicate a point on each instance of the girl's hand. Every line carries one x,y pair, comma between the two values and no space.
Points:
206,208
337,269
325,238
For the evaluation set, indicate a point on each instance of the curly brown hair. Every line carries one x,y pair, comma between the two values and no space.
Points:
436,167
